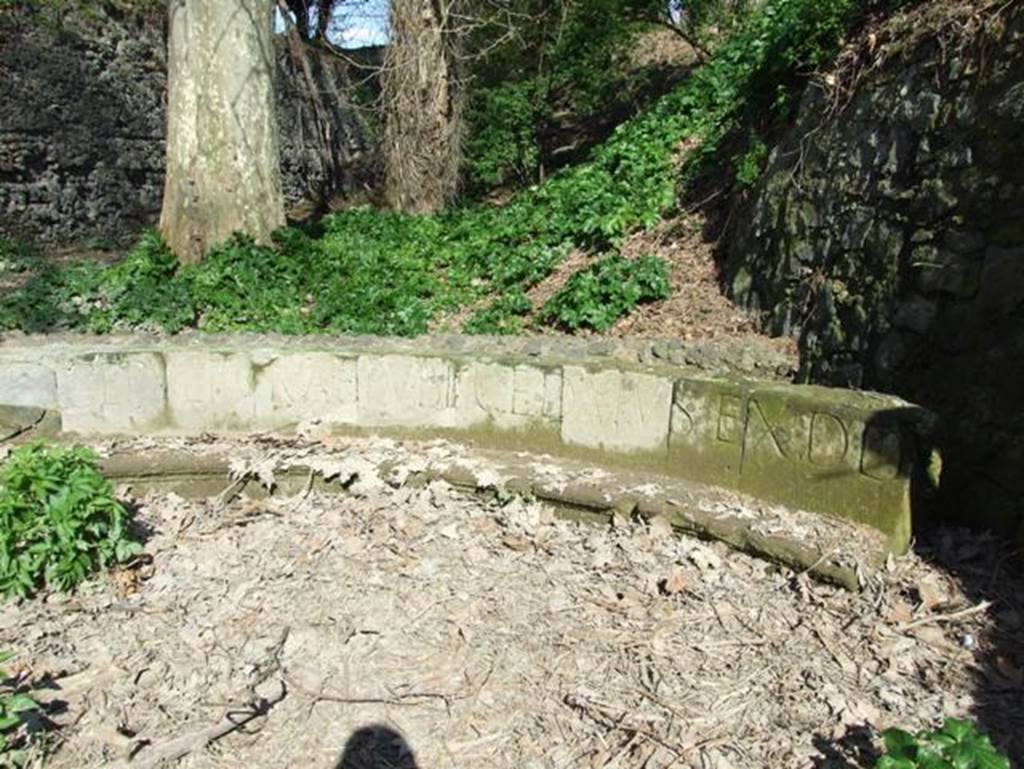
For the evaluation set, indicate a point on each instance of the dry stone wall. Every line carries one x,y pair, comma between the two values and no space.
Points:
843,453
888,238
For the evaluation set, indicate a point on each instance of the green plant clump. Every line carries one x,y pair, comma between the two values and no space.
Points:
13,706
598,296
59,520
956,745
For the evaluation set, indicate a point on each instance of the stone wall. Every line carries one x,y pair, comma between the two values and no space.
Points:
82,127
888,237
847,454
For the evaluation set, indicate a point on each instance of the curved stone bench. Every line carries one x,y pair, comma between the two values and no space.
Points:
842,453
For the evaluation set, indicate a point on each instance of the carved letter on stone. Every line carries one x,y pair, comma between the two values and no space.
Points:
829,439
682,421
730,419
756,428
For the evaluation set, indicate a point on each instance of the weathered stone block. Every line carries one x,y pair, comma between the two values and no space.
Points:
16,420
617,410
941,271
301,387
485,391
112,392
821,450
406,391
528,391
28,384
210,390
537,392
707,430
916,314
837,452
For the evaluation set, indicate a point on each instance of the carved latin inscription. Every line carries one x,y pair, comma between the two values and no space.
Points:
764,429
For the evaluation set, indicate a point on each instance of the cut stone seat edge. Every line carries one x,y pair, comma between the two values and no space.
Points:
18,420
848,454
828,549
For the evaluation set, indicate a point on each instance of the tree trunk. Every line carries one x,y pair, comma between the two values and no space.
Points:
223,161
422,102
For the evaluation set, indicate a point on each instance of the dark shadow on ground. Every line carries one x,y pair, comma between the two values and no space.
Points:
987,570
854,750
377,747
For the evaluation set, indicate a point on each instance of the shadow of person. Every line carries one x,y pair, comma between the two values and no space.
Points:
376,747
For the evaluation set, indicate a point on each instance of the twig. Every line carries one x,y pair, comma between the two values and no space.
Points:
243,520
952,617
608,718
408,699
398,699
305,492
179,747
231,491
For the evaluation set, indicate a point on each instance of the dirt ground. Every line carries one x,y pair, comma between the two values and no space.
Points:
697,308
395,626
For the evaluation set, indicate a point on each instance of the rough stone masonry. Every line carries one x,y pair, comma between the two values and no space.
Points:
888,238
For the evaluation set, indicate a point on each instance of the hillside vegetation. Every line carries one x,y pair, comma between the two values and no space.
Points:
368,271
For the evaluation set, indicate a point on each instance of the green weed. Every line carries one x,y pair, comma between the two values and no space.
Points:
956,745
59,520
14,704
608,290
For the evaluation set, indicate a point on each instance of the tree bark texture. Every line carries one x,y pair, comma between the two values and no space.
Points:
422,103
223,161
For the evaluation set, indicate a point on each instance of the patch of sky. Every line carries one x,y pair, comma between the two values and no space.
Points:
354,24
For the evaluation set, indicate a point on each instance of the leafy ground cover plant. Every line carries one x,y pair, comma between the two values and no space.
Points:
59,520
13,707
606,291
956,745
367,271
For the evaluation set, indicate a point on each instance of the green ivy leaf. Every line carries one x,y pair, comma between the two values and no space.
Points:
20,703
957,729
900,744
889,762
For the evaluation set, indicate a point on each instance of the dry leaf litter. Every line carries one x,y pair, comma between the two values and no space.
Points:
486,632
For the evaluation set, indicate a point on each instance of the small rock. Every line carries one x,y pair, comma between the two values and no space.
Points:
705,558
660,527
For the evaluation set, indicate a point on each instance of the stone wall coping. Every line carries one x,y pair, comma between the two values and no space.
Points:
753,357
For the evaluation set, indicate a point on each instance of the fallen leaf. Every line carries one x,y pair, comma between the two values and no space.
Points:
933,592
517,543
900,612
933,636
675,582
1008,670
